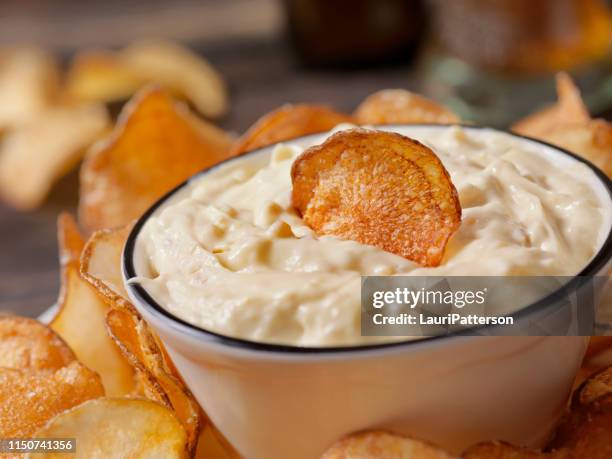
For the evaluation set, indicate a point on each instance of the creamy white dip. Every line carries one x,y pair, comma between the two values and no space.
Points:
231,255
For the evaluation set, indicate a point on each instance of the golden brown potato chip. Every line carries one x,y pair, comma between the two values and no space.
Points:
592,141
37,153
181,71
568,111
28,344
28,398
400,198
69,240
100,76
398,106
81,318
101,264
593,388
568,125
288,122
29,83
383,445
117,428
155,145
141,349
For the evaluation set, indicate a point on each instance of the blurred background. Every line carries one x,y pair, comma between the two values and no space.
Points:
491,61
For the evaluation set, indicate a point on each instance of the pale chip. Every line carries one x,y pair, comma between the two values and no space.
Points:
567,124
101,264
29,84
569,110
81,318
181,71
117,428
378,188
34,155
161,382
398,106
100,76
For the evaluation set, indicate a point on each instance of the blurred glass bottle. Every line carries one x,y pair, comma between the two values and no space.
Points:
490,53
341,33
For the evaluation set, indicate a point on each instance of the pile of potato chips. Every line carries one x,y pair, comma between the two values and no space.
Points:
98,373
48,120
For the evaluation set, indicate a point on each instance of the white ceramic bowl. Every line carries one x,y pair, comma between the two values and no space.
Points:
280,402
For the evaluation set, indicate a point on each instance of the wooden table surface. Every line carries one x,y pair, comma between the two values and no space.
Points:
262,75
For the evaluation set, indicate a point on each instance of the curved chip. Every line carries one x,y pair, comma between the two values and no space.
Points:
383,445
29,84
28,344
592,141
398,106
378,188
568,125
28,398
101,265
568,110
36,154
180,70
160,383
288,122
155,145
117,428
100,76
593,388
81,318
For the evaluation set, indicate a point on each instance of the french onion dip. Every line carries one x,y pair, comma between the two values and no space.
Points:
231,255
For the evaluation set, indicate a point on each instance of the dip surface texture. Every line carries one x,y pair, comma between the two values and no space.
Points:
231,255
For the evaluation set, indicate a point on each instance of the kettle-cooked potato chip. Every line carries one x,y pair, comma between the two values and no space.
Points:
378,188
117,428
383,445
142,350
28,344
181,71
81,318
29,84
101,267
569,110
288,122
568,125
593,388
155,145
101,264
398,106
592,141
28,398
100,76
37,153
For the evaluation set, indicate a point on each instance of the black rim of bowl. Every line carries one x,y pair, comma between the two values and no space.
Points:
594,266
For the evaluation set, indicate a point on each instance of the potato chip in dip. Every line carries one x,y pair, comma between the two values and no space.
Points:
230,254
